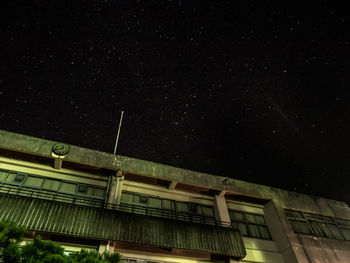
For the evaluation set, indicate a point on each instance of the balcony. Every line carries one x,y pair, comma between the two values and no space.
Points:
58,213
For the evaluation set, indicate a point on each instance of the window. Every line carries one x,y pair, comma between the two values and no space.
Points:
50,185
19,178
208,211
126,198
82,189
174,209
68,187
318,225
155,202
194,208
3,176
100,193
182,207
344,226
143,199
250,225
34,182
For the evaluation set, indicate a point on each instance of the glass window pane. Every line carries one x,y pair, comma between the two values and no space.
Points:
300,227
208,211
155,202
126,198
253,230
241,227
51,185
181,207
3,175
33,181
342,222
257,219
236,216
83,189
10,178
333,232
99,193
19,178
195,209
143,199
136,199
317,228
264,232
294,214
318,217
346,233
68,187
169,204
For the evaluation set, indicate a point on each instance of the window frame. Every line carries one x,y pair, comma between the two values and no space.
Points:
21,184
248,223
174,206
315,220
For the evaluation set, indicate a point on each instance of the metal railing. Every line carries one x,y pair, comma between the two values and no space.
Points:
8,189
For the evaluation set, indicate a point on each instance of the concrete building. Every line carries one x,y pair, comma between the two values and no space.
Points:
150,212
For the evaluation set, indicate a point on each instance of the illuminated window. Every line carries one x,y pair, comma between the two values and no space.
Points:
250,225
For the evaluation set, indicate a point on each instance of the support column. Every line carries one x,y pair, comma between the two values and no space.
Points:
120,178
102,248
110,247
57,163
220,209
172,185
282,233
115,188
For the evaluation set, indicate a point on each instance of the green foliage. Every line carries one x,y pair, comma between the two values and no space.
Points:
10,236
85,256
112,258
39,251
42,251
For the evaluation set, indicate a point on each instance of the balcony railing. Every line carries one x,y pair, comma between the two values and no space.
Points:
9,189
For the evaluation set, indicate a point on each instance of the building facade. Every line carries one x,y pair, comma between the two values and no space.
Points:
150,212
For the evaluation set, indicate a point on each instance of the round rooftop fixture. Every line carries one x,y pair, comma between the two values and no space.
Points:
60,149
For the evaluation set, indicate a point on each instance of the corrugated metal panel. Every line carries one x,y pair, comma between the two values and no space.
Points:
48,216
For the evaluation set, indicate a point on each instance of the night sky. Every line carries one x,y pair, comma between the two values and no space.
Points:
252,90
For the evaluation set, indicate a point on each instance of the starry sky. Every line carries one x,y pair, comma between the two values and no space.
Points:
252,90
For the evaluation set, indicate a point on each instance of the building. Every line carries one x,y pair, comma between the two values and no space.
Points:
149,212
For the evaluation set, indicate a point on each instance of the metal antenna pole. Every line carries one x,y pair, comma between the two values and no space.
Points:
120,124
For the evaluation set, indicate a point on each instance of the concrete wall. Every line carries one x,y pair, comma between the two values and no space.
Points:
295,248
304,248
261,251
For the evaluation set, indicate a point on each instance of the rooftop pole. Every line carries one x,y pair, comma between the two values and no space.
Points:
116,140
